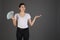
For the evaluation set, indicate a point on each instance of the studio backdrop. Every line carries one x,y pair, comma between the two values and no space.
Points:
44,28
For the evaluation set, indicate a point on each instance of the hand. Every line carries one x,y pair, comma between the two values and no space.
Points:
38,16
12,18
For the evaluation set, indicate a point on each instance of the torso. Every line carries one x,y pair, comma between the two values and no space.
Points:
22,20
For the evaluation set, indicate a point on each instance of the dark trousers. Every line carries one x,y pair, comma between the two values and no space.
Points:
22,33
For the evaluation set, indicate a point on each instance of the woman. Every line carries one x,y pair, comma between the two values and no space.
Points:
21,20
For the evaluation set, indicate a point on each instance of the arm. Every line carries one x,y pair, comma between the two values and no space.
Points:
31,22
14,21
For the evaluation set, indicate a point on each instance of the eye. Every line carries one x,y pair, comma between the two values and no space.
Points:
22,7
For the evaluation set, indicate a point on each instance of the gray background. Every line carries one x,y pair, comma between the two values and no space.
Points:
58,19
46,27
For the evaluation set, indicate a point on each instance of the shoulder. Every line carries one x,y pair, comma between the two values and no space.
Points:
28,15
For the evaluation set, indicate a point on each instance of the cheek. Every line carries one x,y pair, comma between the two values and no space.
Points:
20,8
24,8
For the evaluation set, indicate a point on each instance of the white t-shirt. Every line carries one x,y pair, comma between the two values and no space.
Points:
22,21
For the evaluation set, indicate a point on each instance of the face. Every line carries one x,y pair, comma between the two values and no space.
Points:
22,8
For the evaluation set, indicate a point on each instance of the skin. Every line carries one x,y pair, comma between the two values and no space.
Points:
22,13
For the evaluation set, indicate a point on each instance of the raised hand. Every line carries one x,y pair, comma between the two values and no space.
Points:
37,16
13,17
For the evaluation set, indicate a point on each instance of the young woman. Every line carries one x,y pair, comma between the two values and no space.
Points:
21,20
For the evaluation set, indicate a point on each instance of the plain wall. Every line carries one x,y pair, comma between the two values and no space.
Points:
45,28
58,20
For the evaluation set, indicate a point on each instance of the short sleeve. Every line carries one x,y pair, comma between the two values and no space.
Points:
16,16
29,16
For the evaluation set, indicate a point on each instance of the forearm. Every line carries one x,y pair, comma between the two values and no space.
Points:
14,22
33,21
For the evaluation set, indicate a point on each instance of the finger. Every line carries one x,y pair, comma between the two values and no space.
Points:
40,15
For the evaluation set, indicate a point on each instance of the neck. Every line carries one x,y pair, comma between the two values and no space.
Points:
22,12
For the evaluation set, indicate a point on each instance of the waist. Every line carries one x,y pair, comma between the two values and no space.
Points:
22,28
